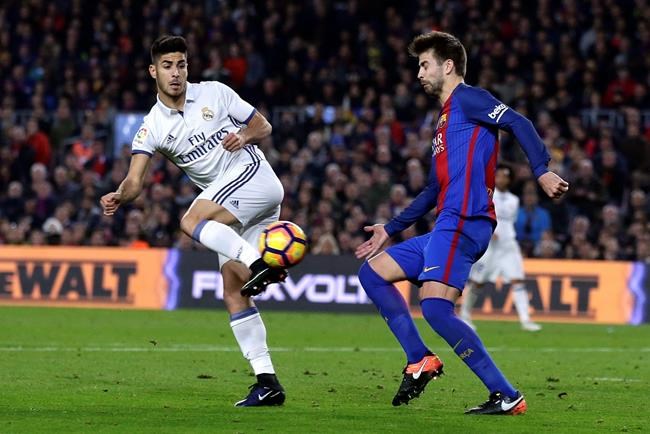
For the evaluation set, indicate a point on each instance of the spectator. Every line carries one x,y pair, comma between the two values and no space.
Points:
533,221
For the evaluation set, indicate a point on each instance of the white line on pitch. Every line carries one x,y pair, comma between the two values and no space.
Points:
226,349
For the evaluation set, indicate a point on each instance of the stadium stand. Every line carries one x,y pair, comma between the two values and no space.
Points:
352,128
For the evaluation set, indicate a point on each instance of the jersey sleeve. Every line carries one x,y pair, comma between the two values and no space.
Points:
481,107
422,204
239,111
143,142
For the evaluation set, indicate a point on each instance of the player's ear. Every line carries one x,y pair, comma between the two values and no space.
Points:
152,71
449,66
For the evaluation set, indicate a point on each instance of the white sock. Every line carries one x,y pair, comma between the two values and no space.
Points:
223,239
469,299
520,297
250,333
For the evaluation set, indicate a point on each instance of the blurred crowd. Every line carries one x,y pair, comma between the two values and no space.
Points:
352,127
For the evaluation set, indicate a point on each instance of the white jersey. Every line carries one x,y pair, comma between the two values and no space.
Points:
506,206
503,256
192,138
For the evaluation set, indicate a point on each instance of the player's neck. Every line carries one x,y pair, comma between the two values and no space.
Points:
176,103
448,88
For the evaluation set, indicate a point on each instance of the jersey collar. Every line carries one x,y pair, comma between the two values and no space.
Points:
190,96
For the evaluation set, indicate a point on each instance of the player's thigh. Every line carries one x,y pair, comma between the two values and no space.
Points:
250,194
454,246
251,232
202,209
401,261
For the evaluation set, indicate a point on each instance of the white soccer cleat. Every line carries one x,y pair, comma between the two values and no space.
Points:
530,326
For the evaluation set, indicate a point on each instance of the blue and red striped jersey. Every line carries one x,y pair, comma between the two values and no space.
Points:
465,148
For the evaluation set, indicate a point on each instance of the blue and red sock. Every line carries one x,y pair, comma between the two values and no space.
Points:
440,315
395,311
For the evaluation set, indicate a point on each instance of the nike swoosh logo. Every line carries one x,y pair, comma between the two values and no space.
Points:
419,371
261,397
431,268
509,406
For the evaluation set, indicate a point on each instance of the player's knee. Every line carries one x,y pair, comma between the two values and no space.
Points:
189,223
367,276
437,311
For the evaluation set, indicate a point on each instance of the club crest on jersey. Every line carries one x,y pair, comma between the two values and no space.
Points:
208,114
442,121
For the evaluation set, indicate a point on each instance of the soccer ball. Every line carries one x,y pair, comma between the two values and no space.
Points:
283,244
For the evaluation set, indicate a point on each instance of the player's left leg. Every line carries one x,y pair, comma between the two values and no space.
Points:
250,333
450,254
512,266
522,305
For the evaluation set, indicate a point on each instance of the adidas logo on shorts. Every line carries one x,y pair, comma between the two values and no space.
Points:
235,203
170,139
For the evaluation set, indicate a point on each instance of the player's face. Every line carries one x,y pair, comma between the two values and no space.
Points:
502,179
170,73
430,74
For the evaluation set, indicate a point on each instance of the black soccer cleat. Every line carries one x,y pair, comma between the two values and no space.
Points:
500,404
263,396
416,377
262,276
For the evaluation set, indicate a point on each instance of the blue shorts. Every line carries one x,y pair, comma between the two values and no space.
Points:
447,253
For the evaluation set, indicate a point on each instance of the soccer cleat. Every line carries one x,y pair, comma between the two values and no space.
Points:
263,396
416,377
530,326
500,404
262,275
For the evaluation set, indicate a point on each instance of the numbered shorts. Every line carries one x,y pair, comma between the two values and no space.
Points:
502,259
445,254
253,194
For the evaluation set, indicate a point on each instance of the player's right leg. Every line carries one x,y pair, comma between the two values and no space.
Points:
377,277
237,199
250,333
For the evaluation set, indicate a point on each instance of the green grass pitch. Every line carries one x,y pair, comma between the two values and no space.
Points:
95,371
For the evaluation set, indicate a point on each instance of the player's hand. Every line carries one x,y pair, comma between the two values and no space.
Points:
372,246
233,142
110,202
553,185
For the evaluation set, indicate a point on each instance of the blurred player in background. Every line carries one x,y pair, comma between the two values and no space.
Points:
206,130
503,256
460,185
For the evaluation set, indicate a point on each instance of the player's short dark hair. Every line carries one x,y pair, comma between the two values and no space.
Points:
167,44
444,45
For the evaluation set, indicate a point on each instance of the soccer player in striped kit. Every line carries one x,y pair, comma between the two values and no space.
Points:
206,129
460,186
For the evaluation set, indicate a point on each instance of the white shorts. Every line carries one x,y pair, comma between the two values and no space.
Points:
253,194
501,259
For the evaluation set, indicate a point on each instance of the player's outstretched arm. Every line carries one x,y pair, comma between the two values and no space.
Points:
130,188
553,185
374,244
258,128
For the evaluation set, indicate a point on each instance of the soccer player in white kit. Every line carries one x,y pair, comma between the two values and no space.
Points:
206,129
503,256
